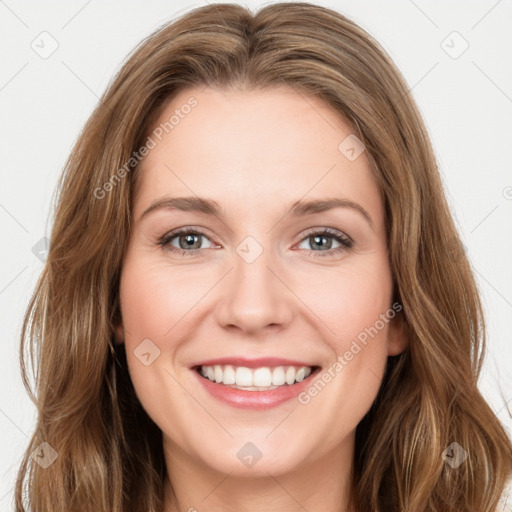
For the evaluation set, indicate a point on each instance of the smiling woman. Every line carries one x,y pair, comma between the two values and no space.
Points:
259,313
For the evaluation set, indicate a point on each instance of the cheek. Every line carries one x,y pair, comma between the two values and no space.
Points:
350,300
154,299
149,310
354,306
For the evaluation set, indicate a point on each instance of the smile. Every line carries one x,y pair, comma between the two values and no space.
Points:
255,379
255,387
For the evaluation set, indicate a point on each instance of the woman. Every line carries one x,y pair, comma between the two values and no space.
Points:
202,344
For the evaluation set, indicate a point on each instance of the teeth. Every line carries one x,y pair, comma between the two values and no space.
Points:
278,377
228,376
301,373
255,379
290,375
243,376
262,377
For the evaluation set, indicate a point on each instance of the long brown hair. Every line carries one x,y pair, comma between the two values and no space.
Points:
108,451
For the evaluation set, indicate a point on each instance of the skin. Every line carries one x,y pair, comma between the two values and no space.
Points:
255,153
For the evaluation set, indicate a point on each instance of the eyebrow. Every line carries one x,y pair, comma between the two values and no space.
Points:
298,208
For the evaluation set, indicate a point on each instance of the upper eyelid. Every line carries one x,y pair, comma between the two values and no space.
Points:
330,232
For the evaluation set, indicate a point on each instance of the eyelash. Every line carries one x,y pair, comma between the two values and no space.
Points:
346,243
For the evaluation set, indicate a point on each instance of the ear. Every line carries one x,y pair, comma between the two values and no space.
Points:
398,339
119,333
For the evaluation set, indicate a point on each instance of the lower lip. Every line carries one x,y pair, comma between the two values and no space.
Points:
255,399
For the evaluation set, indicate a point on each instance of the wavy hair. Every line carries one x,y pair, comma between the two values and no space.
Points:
109,452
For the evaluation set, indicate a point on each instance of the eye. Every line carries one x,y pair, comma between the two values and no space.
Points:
185,240
323,239
189,241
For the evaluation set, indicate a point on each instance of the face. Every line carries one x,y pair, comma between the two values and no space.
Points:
256,287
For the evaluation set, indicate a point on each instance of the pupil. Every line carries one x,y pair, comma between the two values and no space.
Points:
189,241
317,238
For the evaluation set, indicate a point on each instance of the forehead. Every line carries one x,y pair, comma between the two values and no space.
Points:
248,149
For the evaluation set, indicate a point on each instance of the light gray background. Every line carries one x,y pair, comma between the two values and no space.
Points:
466,101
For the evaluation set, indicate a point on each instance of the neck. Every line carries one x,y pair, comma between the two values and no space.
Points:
319,484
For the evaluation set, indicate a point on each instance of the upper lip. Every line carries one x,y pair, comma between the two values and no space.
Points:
252,363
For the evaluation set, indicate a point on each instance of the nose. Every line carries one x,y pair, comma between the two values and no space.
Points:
255,297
